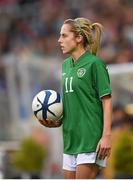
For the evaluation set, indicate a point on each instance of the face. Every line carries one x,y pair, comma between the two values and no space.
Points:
67,40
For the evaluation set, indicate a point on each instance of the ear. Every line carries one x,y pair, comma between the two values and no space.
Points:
79,38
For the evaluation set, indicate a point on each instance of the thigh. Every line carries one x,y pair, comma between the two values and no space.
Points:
87,171
69,174
69,166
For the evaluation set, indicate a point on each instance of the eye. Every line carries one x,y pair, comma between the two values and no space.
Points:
64,35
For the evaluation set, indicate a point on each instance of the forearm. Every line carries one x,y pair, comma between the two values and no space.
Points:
104,145
107,115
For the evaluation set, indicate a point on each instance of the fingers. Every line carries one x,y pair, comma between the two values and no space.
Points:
50,123
58,123
103,152
55,123
108,152
43,122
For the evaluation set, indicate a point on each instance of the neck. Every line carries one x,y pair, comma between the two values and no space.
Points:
76,54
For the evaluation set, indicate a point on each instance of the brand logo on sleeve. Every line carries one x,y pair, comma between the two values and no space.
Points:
81,72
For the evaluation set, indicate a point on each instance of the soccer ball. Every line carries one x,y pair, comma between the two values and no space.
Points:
47,104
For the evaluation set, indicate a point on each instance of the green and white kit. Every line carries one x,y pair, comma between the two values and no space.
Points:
83,84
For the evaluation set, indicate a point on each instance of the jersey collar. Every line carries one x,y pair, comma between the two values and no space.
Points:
87,53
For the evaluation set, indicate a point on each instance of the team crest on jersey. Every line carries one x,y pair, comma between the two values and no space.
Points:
81,72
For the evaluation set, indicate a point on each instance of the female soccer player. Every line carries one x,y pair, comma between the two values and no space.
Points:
86,100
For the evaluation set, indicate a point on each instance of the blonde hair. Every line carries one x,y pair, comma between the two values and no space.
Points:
91,32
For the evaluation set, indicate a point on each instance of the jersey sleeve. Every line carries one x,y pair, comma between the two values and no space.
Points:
101,79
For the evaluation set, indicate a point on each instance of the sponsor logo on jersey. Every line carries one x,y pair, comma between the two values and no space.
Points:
81,72
63,74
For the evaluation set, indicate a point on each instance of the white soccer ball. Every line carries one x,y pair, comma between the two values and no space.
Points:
47,104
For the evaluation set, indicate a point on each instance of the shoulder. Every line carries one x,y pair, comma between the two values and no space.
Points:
94,60
98,61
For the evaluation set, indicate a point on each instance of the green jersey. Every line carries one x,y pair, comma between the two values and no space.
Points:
83,84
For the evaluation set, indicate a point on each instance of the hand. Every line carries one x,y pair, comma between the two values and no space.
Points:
104,147
51,123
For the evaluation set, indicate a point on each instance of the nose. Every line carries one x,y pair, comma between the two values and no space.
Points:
59,40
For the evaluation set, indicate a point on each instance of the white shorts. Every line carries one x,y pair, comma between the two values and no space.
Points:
71,161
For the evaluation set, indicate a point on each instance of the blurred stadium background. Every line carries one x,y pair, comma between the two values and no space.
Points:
30,61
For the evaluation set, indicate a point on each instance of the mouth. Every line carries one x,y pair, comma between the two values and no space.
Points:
62,47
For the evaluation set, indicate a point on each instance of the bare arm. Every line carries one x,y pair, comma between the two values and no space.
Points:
104,145
107,112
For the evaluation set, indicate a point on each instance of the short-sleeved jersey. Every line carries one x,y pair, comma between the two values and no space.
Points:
83,84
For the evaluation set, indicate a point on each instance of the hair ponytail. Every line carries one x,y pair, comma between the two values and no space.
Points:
97,27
